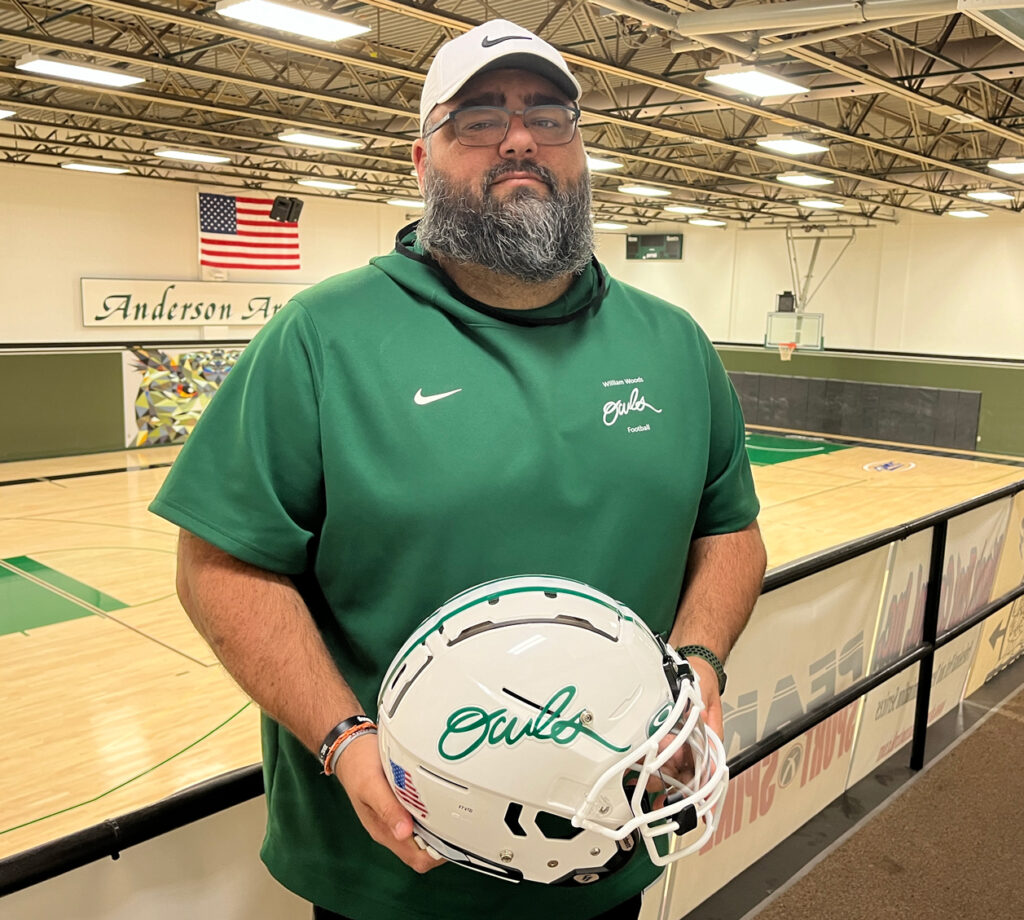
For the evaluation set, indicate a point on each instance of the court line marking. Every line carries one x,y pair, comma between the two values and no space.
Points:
131,779
880,807
104,614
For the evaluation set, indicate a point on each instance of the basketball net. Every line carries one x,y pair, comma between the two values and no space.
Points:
786,350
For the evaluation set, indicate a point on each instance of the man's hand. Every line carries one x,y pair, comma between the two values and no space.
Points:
360,772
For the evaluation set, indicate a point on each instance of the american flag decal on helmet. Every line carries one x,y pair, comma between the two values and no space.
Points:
405,789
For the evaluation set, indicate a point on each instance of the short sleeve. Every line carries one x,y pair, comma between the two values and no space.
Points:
249,479
729,502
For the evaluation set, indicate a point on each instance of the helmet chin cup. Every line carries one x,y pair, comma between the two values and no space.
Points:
508,721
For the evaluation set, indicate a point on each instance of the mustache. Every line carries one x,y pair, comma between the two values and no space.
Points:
520,166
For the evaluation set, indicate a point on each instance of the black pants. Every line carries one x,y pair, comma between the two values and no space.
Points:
628,910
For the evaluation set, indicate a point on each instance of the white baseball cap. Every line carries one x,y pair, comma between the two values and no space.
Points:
491,46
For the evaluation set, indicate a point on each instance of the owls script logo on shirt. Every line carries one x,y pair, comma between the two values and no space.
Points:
615,409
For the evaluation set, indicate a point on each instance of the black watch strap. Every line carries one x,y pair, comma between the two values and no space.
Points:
701,651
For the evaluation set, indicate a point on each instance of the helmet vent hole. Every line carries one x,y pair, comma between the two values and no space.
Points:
550,594
555,827
512,815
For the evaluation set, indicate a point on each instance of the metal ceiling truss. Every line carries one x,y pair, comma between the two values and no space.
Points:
912,97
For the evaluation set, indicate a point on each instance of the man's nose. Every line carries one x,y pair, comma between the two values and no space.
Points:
518,142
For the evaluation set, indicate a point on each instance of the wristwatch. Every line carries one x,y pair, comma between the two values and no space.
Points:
701,651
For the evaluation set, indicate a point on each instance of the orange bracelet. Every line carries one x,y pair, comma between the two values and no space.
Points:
343,742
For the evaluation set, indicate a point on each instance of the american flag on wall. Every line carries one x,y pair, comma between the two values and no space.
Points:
237,232
405,789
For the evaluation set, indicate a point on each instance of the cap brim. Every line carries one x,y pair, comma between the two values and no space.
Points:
523,61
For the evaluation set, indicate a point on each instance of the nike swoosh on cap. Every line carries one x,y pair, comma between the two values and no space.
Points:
422,400
491,42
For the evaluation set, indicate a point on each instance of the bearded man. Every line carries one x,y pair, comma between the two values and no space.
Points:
482,402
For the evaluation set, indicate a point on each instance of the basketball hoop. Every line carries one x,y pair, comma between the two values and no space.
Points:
786,350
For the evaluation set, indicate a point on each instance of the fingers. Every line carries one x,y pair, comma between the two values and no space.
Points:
359,770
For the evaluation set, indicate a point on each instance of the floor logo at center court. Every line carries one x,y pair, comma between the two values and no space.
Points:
889,466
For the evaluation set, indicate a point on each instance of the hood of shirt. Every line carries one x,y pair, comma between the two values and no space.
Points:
416,271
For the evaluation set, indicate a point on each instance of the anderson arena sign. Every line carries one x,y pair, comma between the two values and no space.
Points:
126,302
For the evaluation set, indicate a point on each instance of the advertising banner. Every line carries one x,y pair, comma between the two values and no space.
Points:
974,544
804,643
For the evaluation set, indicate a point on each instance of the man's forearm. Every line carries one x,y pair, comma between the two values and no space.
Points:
723,580
262,632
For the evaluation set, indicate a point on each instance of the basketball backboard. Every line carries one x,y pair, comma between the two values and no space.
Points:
806,329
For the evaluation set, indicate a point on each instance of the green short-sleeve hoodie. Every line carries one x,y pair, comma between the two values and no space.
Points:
388,443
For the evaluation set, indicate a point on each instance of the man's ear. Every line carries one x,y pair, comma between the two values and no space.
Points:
419,160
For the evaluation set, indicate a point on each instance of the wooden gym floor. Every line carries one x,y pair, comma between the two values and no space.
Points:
113,702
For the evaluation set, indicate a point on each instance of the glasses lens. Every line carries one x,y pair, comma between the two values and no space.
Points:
482,126
550,124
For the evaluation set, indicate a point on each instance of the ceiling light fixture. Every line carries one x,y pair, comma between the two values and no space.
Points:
596,163
318,140
967,214
1009,165
192,156
405,202
749,79
789,145
685,209
821,204
56,67
89,167
990,196
707,222
804,179
326,183
6,113
646,191
291,18
610,225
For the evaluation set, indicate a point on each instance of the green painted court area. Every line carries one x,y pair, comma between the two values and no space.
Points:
34,595
766,449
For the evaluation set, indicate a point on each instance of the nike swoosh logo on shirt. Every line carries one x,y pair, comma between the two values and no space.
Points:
491,42
422,400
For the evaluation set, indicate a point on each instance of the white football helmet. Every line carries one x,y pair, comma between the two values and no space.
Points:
510,719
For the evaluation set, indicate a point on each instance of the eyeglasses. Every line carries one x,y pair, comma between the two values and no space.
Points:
486,125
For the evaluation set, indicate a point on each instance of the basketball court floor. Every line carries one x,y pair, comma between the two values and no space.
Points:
113,700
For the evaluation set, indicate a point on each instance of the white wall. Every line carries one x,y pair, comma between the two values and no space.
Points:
927,284
935,285
57,227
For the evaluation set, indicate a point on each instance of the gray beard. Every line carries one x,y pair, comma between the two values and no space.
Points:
527,236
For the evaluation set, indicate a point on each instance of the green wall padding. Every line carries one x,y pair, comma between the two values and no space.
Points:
1000,428
54,404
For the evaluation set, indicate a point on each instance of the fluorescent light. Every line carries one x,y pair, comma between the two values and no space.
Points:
55,67
990,196
645,190
684,209
318,140
326,183
789,145
405,202
707,222
803,179
287,18
1008,165
6,113
748,79
596,163
89,167
967,214
821,204
192,157
610,225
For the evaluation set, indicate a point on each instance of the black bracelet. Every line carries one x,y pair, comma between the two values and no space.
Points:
335,733
701,651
